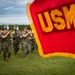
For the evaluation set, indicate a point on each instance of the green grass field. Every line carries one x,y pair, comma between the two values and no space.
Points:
37,65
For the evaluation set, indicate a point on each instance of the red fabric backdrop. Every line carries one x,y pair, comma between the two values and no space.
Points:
55,41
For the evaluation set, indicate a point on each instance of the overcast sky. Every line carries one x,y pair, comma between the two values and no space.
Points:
13,11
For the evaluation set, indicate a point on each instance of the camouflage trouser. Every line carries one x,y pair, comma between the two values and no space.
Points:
6,48
31,45
16,47
0,45
25,48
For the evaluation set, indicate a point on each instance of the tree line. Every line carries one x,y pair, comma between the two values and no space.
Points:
11,26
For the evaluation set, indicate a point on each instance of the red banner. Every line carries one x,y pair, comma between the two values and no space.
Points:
54,26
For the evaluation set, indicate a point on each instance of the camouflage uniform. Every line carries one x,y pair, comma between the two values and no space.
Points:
6,46
16,42
32,42
0,43
24,44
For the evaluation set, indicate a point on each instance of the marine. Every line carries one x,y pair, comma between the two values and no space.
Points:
0,41
25,42
16,41
32,44
6,44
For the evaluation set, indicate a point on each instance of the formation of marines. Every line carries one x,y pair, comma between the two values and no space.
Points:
9,39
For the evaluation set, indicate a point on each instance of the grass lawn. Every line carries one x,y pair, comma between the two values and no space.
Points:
37,65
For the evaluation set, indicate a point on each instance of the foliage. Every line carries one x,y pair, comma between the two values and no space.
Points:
11,26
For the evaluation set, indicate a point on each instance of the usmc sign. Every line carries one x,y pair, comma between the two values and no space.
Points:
58,18
53,22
